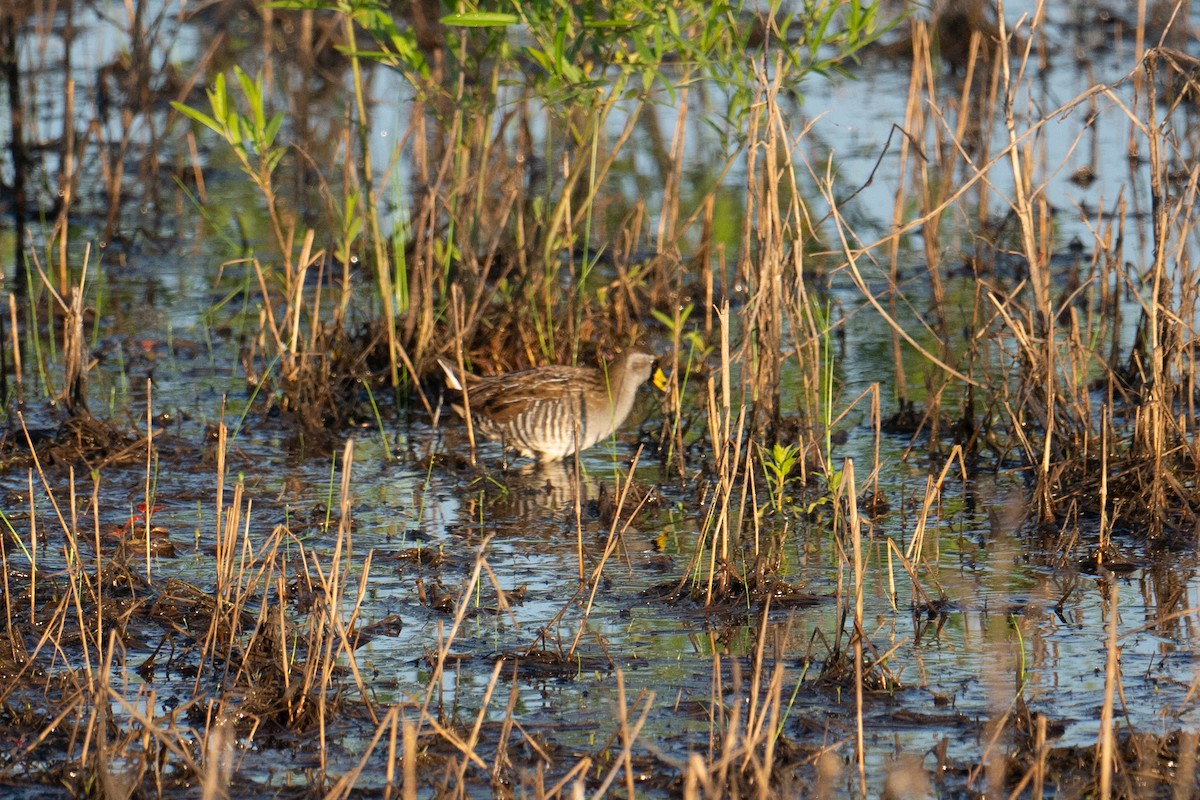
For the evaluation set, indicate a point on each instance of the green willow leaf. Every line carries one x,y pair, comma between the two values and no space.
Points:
480,19
198,116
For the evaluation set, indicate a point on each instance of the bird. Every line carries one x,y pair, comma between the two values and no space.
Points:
550,412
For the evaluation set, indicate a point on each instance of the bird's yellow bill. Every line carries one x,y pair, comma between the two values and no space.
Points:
659,379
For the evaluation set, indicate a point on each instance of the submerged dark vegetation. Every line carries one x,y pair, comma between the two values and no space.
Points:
568,181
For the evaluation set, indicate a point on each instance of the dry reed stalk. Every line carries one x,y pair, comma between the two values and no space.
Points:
217,765
1039,765
577,774
716,702
746,758
756,671
672,426
33,540
502,768
220,620
1139,81
1185,771
12,636
726,531
408,767
1043,366
727,445
98,716
1105,530
750,496
176,744
919,593
763,258
222,451
73,704
68,176
721,717
344,785
933,194
18,372
851,254
434,684
469,754
1035,776
577,509
770,730
1159,334
148,496
269,630
731,731
75,364
705,254
915,552
697,781
992,762
614,537
52,631
920,42
456,311
80,584
327,637
1106,746
66,529
626,759
422,278
668,217
855,529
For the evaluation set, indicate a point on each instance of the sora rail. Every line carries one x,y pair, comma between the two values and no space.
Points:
550,412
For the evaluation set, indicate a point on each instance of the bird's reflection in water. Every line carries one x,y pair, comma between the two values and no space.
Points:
553,500
532,493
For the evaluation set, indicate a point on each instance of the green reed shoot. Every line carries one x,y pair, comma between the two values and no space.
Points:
777,465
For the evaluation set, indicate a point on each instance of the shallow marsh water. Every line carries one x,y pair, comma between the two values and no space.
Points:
1015,612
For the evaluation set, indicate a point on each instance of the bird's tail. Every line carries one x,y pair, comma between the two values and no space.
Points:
452,377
